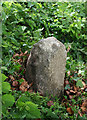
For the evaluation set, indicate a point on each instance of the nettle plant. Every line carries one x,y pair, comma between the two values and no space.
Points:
7,98
16,107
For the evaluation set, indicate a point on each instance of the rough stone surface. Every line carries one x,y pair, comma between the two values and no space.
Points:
46,66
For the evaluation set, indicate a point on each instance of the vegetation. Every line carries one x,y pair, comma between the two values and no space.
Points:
24,24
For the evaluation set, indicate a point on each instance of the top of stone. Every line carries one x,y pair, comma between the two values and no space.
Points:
49,44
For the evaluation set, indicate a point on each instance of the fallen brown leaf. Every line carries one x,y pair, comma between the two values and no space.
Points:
66,82
25,52
80,113
67,92
15,83
78,93
22,88
75,88
84,84
70,96
16,55
30,85
84,110
84,103
72,91
69,110
30,90
50,103
25,84
11,77
13,88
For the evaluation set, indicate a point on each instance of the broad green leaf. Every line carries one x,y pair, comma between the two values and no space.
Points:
20,104
4,109
8,100
22,98
3,77
32,109
5,87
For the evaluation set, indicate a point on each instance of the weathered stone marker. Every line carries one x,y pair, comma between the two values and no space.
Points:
46,66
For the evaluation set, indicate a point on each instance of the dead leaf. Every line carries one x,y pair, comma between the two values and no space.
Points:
19,60
25,52
68,73
72,91
69,110
13,88
78,93
84,110
16,55
11,77
30,85
80,113
22,88
30,90
84,103
69,47
84,84
22,54
67,92
70,96
50,103
25,89
71,76
75,88
24,72
25,84
15,83
66,82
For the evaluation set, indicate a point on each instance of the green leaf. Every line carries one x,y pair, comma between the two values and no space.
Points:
52,115
20,81
4,68
0,88
23,98
23,28
67,87
8,100
79,83
20,104
32,109
3,77
4,109
5,87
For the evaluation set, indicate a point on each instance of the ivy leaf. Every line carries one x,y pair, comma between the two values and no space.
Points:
67,87
4,68
79,83
23,28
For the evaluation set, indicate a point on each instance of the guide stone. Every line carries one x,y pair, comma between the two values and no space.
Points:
46,66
